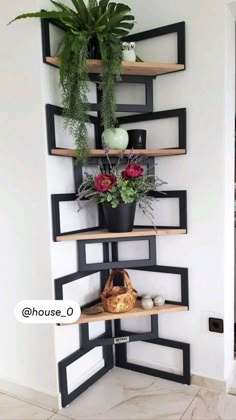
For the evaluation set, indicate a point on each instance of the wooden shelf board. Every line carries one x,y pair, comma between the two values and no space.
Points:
115,152
104,234
137,311
129,68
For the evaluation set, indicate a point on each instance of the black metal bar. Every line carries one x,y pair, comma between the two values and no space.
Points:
182,196
67,397
60,282
178,28
107,265
171,113
51,111
46,51
121,361
183,272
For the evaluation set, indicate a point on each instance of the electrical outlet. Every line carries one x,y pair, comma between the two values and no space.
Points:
216,325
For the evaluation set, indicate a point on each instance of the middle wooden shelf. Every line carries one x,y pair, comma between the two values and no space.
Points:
104,234
114,152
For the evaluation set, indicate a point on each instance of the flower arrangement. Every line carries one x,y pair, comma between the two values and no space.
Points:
113,186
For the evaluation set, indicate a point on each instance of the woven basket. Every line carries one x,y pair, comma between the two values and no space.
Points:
118,299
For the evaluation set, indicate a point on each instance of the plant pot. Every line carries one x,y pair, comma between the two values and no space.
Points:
94,52
137,139
120,219
115,138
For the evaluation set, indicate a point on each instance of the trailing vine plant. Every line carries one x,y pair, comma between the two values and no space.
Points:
107,22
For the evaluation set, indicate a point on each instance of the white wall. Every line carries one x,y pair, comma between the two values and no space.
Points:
206,172
27,352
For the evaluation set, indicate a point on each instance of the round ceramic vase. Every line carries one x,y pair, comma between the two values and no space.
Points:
147,302
159,300
115,138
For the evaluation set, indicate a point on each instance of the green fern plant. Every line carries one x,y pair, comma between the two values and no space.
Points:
106,21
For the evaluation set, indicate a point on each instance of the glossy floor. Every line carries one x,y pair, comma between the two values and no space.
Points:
126,395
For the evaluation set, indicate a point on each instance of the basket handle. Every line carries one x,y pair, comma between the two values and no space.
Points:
111,277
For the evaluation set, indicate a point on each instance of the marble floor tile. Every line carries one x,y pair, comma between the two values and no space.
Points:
124,395
210,405
14,409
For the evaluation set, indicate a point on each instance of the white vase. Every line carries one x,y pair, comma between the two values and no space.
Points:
115,138
147,302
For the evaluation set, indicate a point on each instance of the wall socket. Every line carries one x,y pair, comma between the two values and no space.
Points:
216,325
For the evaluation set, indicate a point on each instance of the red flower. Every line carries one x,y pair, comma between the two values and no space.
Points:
104,183
133,170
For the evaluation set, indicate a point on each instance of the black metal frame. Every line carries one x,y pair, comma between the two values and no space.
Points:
52,110
122,337
110,253
121,361
67,397
180,113
178,28
57,198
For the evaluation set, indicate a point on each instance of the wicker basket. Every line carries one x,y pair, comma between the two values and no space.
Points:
118,299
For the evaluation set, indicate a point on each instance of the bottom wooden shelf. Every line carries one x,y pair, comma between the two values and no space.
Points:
135,312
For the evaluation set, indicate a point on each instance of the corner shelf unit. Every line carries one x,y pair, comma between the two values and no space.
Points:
143,73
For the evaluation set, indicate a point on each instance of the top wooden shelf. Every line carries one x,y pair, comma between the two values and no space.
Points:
115,152
129,68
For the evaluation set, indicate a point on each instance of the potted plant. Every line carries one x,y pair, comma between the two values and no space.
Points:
118,191
100,25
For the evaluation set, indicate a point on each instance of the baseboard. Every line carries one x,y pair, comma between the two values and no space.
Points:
36,397
209,383
90,372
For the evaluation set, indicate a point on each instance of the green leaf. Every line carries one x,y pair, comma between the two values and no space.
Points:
63,7
103,5
81,8
120,32
42,15
126,25
111,7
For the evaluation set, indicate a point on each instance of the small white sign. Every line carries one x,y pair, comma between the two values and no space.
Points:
120,340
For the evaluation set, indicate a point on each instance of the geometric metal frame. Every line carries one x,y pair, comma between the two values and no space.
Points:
185,378
57,198
67,397
52,110
121,336
180,113
178,28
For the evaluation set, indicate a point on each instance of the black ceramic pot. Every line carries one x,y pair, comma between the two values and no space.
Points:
137,139
120,219
94,52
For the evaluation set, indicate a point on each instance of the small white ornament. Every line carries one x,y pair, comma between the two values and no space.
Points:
159,300
128,51
147,302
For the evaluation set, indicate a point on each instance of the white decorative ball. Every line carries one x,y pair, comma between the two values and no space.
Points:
159,300
147,302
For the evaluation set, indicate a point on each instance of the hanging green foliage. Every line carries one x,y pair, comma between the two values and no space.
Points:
104,21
